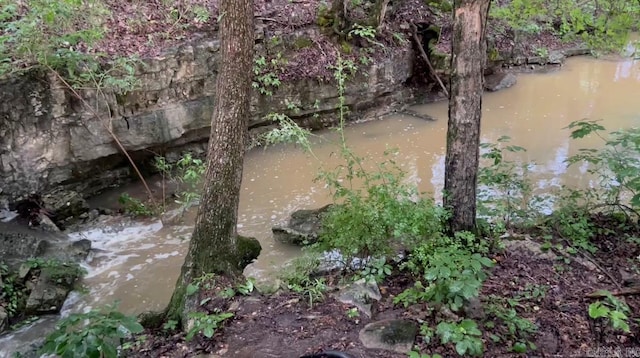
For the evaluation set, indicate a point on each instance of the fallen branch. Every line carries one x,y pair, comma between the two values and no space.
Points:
115,138
414,31
622,292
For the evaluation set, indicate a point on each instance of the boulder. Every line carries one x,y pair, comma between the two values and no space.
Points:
395,335
360,294
65,205
51,289
15,247
499,81
303,228
249,249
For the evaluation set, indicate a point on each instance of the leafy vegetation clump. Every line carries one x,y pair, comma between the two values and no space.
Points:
97,333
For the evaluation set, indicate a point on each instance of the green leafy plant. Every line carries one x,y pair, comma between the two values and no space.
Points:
508,324
205,281
416,354
206,324
11,293
57,270
247,287
616,165
134,206
452,276
465,335
266,72
311,289
170,325
187,174
97,333
612,310
505,191
353,312
375,270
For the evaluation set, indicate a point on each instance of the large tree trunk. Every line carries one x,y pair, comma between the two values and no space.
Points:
214,245
465,104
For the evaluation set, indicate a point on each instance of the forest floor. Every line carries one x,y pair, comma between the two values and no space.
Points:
532,295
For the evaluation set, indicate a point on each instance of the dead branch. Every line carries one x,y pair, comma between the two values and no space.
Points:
115,138
414,31
622,292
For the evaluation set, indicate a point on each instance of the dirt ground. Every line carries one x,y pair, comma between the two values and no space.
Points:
547,288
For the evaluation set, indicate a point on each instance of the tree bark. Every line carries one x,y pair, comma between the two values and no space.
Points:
214,245
465,104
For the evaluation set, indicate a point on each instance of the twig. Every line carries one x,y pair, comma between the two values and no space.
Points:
414,30
606,272
115,138
622,292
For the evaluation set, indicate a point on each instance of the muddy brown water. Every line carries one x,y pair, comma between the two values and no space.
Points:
137,262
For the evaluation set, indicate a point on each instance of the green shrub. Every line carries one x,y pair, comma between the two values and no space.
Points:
96,333
452,276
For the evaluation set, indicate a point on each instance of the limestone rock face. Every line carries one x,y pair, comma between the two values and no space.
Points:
49,140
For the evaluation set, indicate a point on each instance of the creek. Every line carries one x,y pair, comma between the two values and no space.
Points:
138,261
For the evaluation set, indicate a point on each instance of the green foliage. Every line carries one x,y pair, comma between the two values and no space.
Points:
135,206
299,278
187,174
353,312
506,321
571,219
205,281
206,324
170,325
601,24
505,191
371,220
452,276
11,292
312,289
375,270
414,354
616,165
97,333
58,271
59,35
266,72
287,132
612,310
366,32
465,335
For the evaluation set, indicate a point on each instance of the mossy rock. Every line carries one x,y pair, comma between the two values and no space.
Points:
249,249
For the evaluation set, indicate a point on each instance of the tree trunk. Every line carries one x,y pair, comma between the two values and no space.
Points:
214,245
465,104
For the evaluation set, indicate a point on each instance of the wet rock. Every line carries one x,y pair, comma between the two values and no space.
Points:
15,247
51,290
360,294
556,58
303,228
65,205
499,81
249,249
4,319
44,223
392,335
576,51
